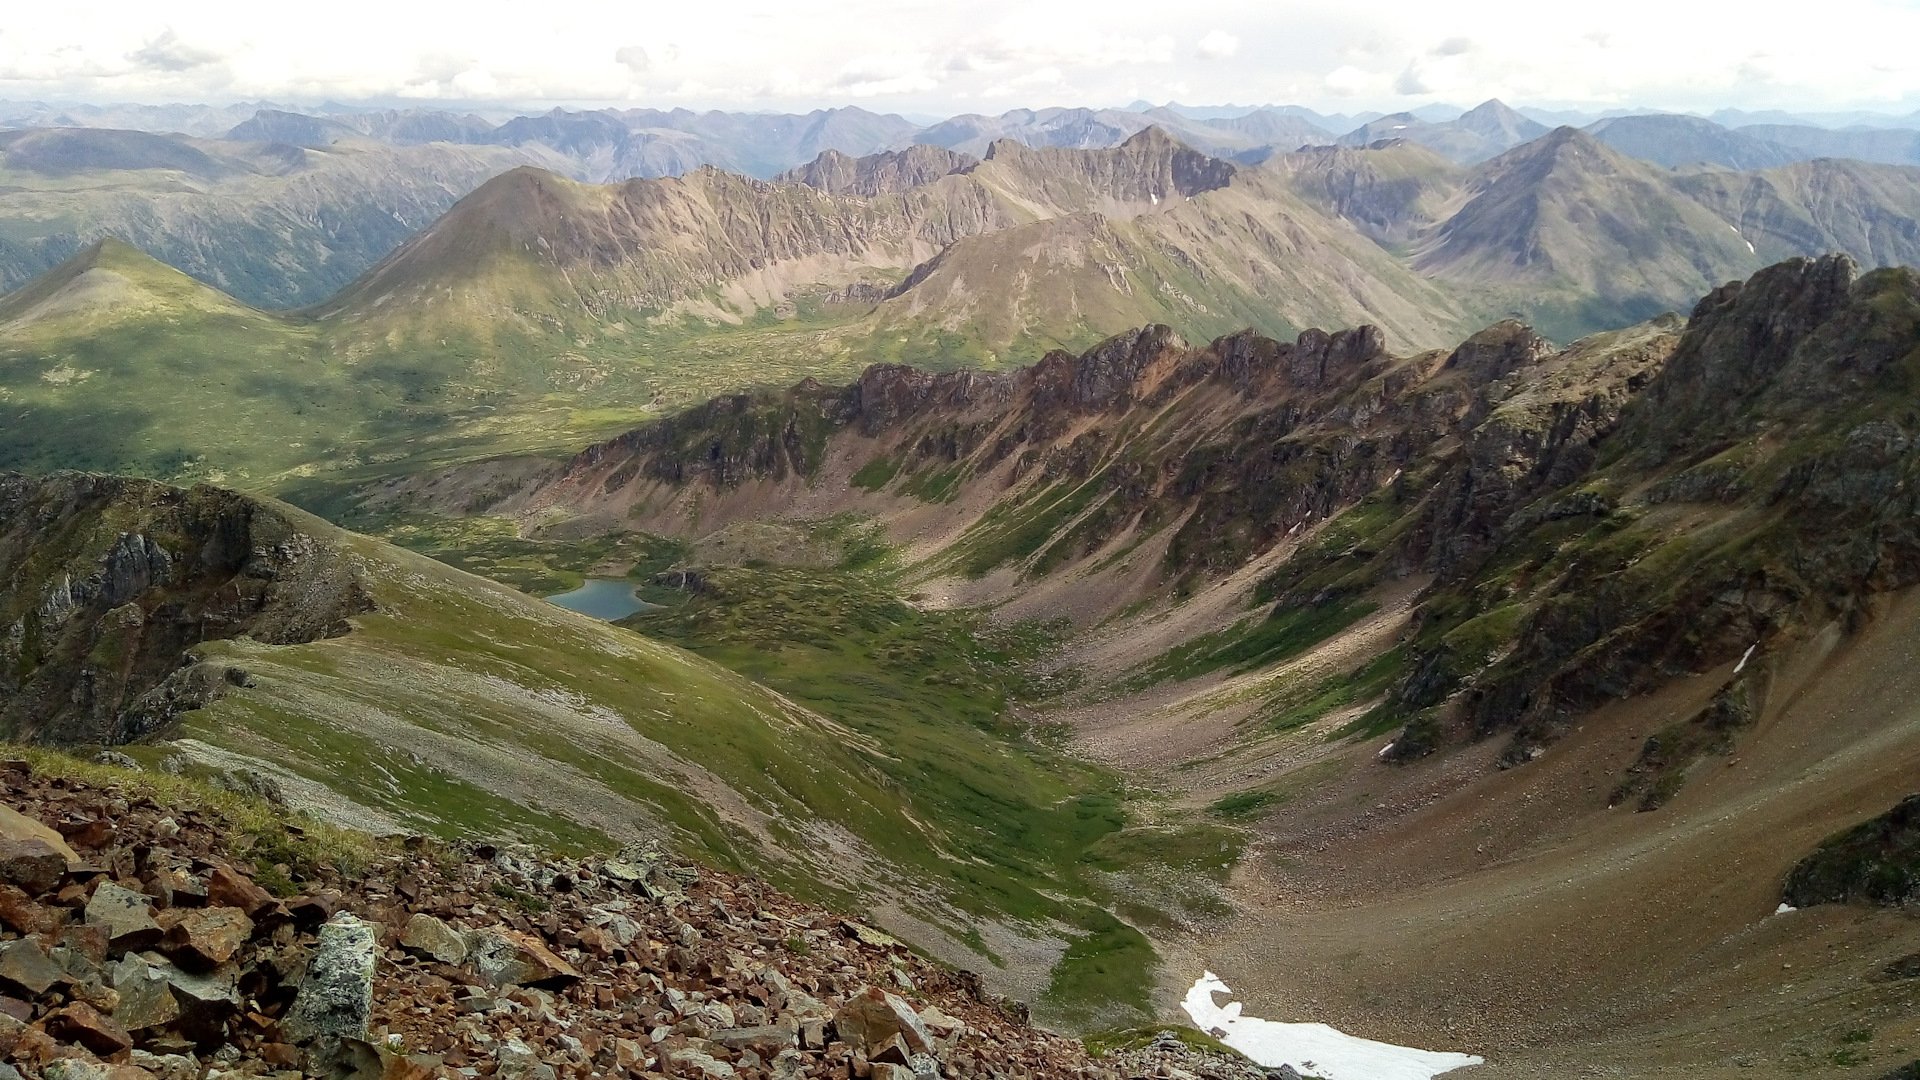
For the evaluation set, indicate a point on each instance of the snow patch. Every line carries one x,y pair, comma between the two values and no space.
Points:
1744,657
1316,1049
1784,908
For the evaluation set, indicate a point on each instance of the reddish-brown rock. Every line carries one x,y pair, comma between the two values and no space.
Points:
32,864
201,939
83,1024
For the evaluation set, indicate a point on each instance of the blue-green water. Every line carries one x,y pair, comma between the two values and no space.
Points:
603,598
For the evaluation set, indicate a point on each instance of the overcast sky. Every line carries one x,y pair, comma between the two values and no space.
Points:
973,55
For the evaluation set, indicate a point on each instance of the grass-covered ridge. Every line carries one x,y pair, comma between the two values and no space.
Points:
1024,830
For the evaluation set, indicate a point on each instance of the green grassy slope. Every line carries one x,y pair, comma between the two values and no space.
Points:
873,764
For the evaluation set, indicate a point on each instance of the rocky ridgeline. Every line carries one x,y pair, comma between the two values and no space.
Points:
136,945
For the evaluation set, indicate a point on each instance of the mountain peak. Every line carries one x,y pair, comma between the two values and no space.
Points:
1493,119
1560,145
110,280
1490,107
1153,137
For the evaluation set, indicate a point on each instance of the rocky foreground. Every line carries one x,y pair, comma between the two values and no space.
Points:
138,943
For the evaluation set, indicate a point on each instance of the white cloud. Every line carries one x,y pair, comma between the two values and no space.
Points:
876,76
924,56
1348,81
166,52
633,58
1217,45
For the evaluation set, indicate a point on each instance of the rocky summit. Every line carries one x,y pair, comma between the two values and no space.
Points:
140,941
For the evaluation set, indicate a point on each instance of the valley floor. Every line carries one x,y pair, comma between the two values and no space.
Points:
1451,904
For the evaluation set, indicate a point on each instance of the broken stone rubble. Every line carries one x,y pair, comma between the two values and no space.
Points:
157,953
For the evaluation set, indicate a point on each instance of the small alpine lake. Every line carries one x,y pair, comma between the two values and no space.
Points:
603,598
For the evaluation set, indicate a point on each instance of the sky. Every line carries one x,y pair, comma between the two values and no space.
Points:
937,58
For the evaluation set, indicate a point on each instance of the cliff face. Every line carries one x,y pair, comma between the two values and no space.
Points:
887,173
1759,487
1223,451
107,584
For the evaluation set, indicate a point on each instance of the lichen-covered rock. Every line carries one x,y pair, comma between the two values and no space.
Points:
336,996
513,958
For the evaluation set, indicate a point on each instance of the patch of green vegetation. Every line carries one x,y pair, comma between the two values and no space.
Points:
877,473
1203,850
862,543
1480,639
1249,803
936,485
1254,643
1106,974
1122,1040
1242,805
1875,862
978,943
1015,530
267,834
1024,830
1364,683
1339,560
494,548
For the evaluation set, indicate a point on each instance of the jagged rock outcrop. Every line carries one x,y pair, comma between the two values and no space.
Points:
107,584
886,173
1876,862
1778,416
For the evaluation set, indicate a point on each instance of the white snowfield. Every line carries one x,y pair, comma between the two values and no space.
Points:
1313,1049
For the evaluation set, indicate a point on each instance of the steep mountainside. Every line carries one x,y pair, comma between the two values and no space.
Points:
1247,254
388,690
1893,146
1190,231
1676,141
1393,191
273,224
1775,414
886,173
1481,133
1872,212
1568,218
539,313
99,617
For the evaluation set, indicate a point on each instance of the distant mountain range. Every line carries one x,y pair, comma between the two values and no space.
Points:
541,308
282,208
